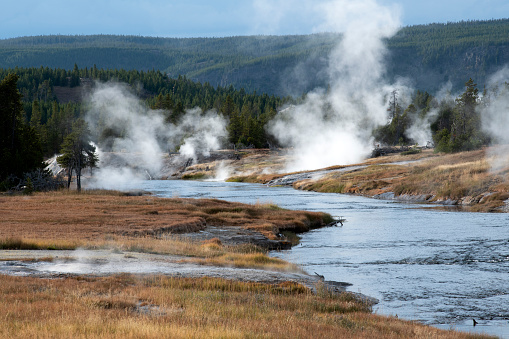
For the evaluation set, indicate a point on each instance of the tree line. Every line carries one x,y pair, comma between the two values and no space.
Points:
40,125
35,124
52,119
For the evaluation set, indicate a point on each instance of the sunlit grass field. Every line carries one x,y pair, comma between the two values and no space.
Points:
95,215
132,306
127,306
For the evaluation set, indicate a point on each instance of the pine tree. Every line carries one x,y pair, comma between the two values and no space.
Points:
20,146
77,152
36,118
228,107
466,126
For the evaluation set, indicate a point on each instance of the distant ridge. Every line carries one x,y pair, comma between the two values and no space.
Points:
430,55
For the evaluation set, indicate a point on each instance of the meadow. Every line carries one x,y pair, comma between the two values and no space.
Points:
155,306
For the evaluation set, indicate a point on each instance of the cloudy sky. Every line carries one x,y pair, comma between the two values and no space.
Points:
205,18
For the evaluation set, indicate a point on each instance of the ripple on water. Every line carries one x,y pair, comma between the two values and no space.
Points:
441,267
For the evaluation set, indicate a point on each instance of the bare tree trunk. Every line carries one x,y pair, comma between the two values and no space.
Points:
78,180
69,177
78,174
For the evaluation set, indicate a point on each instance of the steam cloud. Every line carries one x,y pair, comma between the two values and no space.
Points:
334,127
495,118
138,138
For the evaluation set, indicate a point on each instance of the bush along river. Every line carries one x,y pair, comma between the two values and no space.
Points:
440,267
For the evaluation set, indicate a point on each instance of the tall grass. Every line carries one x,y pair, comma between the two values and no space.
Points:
17,243
128,306
465,177
94,214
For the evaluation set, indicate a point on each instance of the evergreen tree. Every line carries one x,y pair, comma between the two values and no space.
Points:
75,77
234,127
77,152
466,131
458,127
20,146
441,127
228,107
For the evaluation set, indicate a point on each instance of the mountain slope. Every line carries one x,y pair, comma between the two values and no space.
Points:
429,55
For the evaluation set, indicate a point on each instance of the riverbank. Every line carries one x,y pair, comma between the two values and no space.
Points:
475,180
130,306
215,290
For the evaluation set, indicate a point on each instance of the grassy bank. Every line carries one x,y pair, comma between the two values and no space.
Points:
477,180
128,306
116,221
96,215
467,179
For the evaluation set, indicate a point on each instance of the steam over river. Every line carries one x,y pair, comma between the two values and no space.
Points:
439,267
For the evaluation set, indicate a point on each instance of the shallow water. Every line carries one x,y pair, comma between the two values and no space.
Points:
439,267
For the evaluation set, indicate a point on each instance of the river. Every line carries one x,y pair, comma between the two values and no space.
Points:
439,267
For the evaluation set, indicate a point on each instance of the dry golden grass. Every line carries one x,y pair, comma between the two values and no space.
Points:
361,181
465,177
111,220
96,214
128,306
240,256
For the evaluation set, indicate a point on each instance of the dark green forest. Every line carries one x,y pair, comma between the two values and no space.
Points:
40,107
429,55
51,101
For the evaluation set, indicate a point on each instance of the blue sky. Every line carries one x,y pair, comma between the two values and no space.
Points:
200,18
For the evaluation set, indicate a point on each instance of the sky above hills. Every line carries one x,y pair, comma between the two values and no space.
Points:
205,18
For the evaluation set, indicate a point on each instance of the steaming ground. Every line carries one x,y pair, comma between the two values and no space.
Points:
331,127
334,126
133,139
104,262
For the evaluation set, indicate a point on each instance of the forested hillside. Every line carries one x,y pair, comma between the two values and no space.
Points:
430,55
52,100
436,53
254,63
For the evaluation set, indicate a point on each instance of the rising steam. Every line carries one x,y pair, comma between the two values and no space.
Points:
137,139
335,126
495,118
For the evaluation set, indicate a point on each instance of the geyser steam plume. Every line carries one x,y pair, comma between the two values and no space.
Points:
139,137
335,126
495,119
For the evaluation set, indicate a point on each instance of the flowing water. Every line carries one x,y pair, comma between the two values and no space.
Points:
440,267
